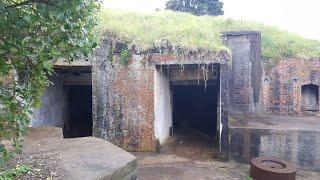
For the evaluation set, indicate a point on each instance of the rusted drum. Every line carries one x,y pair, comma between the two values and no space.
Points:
265,168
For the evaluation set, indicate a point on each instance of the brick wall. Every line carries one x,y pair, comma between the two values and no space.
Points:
245,82
123,95
133,87
282,85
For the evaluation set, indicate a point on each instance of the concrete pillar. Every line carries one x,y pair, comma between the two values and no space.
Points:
246,73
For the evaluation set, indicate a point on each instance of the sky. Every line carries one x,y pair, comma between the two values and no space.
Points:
298,16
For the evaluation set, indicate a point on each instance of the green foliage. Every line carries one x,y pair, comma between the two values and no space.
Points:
196,7
14,172
147,30
33,33
124,55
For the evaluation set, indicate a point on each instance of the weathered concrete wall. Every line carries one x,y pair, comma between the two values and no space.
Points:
54,108
162,106
102,76
282,85
246,87
297,146
123,101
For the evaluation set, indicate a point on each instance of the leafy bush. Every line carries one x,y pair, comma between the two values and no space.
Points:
14,172
33,33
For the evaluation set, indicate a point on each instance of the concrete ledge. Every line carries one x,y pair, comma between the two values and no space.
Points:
83,158
294,139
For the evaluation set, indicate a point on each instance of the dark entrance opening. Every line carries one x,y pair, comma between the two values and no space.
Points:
310,97
79,123
194,121
195,109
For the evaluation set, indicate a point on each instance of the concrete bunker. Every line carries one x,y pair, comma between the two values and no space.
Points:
310,97
67,102
187,102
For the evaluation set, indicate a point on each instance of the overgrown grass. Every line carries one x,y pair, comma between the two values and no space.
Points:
147,29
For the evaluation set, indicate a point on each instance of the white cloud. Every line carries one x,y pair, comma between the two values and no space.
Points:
297,16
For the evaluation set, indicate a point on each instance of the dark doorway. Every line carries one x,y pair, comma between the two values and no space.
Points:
79,123
194,122
195,108
310,97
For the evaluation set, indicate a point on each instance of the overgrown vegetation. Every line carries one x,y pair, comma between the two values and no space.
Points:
33,33
15,172
124,55
147,30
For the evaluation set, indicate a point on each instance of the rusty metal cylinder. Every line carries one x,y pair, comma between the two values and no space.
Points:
265,168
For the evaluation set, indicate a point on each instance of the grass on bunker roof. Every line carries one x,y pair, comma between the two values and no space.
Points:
145,30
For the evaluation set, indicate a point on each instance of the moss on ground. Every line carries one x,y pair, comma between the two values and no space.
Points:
146,30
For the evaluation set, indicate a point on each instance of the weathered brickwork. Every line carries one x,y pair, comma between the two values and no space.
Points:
123,95
245,82
133,98
282,85
134,103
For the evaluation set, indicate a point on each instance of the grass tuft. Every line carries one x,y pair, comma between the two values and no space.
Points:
146,30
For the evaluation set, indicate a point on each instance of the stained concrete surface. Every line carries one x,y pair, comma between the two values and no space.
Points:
173,167
291,138
191,155
83,158
275,122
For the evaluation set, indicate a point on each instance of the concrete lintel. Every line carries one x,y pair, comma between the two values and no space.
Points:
191,62
65,63
240,33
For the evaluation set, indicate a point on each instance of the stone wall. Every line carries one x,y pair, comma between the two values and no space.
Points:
283,83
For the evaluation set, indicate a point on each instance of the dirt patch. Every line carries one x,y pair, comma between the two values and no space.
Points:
191,144
47,166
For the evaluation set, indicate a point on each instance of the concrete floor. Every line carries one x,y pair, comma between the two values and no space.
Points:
185,157
173,167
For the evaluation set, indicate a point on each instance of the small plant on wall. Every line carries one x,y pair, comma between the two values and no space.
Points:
124,56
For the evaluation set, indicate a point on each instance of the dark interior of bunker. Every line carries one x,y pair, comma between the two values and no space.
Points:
77,90
79,123
195,108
